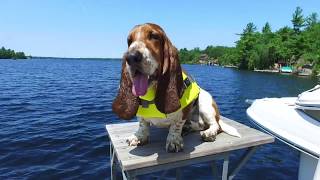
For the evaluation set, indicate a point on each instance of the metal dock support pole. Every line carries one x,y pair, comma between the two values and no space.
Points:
246,156
225,167
112,163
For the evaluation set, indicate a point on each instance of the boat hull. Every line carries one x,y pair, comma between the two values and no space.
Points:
281,118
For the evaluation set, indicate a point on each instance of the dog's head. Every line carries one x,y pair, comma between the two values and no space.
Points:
151,59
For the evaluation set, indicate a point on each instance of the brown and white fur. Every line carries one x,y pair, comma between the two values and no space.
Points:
151,54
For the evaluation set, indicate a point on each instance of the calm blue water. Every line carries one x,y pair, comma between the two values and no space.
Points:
53,115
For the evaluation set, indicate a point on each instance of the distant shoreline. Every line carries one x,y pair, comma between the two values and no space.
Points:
73,58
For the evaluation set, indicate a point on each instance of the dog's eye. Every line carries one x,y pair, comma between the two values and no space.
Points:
154,36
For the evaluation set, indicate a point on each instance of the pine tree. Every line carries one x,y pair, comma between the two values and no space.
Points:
266,28
297,20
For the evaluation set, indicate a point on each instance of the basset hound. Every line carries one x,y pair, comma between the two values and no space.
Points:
154,88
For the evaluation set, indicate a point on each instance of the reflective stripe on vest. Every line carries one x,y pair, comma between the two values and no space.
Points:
189,95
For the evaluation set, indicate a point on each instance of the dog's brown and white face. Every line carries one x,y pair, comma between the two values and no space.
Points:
150,58
143,57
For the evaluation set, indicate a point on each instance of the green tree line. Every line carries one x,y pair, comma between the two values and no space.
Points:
11,54
296,45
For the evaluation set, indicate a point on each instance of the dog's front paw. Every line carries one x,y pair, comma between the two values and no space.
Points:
174,143
134,140
208,135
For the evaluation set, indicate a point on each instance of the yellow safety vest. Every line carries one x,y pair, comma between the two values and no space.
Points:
189,95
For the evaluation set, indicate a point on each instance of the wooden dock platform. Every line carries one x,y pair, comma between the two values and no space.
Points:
152,157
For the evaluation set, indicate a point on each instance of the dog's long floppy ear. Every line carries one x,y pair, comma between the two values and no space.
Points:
170,80
125,104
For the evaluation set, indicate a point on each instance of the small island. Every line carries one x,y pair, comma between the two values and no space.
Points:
288,49
11,54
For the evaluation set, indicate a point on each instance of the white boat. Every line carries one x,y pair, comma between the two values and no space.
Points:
294,121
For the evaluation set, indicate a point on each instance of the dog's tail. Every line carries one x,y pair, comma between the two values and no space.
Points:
229,129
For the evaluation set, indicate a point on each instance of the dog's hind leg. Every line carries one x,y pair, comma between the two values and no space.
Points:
210,115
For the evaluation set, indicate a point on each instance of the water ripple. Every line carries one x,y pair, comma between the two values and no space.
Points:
53,116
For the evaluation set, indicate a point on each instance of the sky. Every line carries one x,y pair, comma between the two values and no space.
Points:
99,28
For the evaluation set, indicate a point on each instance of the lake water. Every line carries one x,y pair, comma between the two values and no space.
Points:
53,114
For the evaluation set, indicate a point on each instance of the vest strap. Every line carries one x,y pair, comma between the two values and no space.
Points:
186,83
189,79
145,103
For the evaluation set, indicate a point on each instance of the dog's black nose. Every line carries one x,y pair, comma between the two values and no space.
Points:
134,57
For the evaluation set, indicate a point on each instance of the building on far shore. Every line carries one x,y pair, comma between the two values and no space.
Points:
204,59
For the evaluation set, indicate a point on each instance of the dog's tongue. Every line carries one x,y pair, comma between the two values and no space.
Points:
140,85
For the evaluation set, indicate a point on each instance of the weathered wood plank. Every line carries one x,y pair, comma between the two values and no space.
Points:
161,134
157,155
119,132
161,167
154,153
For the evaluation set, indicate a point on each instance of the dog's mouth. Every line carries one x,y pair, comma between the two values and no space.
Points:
140,83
